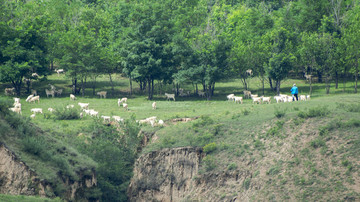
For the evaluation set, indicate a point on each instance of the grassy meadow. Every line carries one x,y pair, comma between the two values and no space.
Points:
309,148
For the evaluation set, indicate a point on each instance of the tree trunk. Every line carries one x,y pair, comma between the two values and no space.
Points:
213,89
263,85
310,82
327,84
94,85
130,81
196,89
112,85
271,85
82,87
319,76
336,80
278,87
344,82
245,83
356,77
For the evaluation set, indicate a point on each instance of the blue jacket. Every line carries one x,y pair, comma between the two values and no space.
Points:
294,90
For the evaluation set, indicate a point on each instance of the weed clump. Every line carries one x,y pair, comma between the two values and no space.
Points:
279,113
210,147
314,112
66,114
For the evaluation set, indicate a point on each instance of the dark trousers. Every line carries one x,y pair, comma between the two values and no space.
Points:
296,97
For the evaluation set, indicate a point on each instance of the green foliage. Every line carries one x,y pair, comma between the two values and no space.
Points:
66,113
246,183
210,147
210,163
319,111
317,143
279,113
232,166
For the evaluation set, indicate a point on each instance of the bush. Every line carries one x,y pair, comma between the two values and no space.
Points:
34,145
66,114
232,166
279,113
210,163
210,147
314,112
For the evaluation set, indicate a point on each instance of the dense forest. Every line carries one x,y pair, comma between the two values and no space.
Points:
200,42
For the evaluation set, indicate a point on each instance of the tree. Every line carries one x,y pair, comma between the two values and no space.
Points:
23,45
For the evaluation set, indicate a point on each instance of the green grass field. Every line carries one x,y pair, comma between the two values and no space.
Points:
308,148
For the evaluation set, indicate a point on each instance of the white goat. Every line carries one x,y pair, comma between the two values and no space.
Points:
266,99
256,100
59,71
230,97
9,91
29,97
36,110
308,97
16,110
17,105
278,99
106,118
247,94
50,92
83,105
16,100
154,105
201,94
58,92
34,99
94,113
72,97
102,94
170,96
238,99
51,109
52,87
32,116
302,98
125,106
118,118
122,100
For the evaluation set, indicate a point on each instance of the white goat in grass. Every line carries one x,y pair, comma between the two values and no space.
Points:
102,94
51,109
308,97
36,110
238,99
106,118
83,105
122,100
266,99
230,97
247,94
16,110
278,99
170,96
125,106
118,118
302,98
34,99
72,97
154,105
50,92
256,100
32,116
29,97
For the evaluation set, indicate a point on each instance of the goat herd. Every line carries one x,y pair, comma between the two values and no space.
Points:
123,102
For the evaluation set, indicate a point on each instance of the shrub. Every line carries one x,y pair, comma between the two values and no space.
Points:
246,112
317,143
314,112
279,113
232,166
66,114
34,145
246,183
210,147
210,163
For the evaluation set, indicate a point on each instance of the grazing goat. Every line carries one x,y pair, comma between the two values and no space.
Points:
102,94
58,92
125,106
106,118
72,97
278,99
36,110
16,100
121,101
238,99
70,106
302,98
308,97
34,99
9,91
58,71
51,109
50,92
170,96
118,118
32,116
230,97
249,72
247,94
256,100
16,110
201,94
161,122
83,105
94,113
154,105
35,75
266,99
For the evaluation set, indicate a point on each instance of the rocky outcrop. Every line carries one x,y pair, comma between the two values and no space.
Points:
165,175
173,175
16,178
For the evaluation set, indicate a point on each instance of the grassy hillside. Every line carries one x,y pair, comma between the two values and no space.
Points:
309,149
10,198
